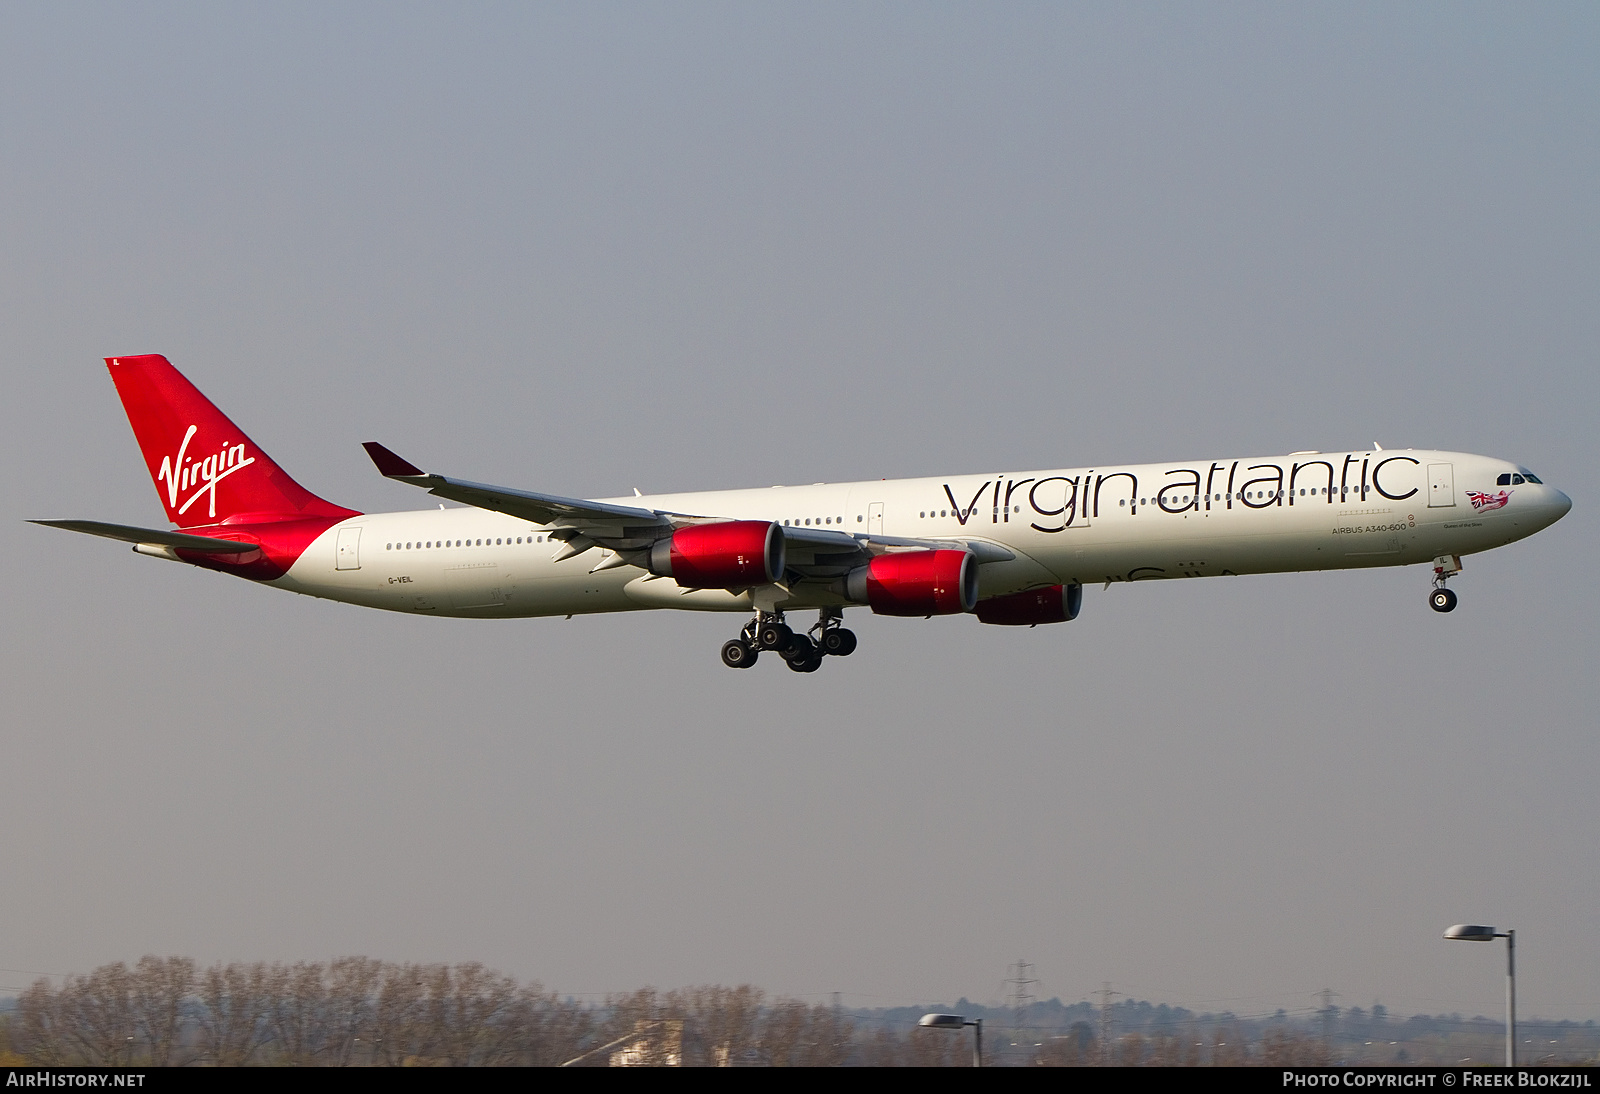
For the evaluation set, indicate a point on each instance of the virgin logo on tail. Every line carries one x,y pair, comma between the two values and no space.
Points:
185,471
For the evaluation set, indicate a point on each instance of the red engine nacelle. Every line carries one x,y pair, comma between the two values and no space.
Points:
917,583
1057,604
728,555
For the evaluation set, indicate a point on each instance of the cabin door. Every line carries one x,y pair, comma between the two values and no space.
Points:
346,554
1441,485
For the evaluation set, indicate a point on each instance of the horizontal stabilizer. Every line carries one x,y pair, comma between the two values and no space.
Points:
129,534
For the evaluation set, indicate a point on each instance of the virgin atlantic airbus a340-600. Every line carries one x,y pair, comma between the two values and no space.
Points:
1012,548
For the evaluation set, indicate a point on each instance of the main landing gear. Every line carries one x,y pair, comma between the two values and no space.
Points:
803,653
1444,567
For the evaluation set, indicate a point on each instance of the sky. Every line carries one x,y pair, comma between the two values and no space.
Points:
585,248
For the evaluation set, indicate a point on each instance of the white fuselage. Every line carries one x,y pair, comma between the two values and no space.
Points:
1307,511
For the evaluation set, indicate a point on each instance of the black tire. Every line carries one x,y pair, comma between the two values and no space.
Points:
1442,600
838,642
737,655
800,647
774,636
810,663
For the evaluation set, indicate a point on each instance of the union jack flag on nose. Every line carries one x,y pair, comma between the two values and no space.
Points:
1483,502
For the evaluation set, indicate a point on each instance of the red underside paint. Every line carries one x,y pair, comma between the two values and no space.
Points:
1025,609
281,542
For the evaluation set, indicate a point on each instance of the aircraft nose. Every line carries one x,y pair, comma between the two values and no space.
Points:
1560,505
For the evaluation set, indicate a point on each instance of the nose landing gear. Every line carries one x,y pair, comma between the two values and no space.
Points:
767,631
1444,567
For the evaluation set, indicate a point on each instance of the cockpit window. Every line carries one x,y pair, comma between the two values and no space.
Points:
1503,480
1531,477
1518,479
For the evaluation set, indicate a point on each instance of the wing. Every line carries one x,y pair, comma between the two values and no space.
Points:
129,534
582,524
813,553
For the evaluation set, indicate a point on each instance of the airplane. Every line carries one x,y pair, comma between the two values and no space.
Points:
1012,548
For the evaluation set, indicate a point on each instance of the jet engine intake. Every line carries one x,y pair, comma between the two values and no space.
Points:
1057,604
916,583
727,555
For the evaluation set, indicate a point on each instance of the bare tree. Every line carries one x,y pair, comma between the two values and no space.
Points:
232,1016
397,1027
466,1010
881,1047
549,1030
796,1035
1229,1047
160,987
351,1005
41,1031
1292,1048
297,1011
939,1048
646,1017
720,1023
9,1056
100,1010
1172,1050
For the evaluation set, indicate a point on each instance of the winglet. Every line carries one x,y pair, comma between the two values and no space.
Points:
391,466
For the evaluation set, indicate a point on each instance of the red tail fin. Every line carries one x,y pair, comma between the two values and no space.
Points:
205,469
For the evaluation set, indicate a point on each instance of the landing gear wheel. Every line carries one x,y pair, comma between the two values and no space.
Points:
811,662
800,648
838,642
1442,600
774,636
739,655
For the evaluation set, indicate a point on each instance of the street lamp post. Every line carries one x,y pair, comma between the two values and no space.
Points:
1470,932
957,1022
